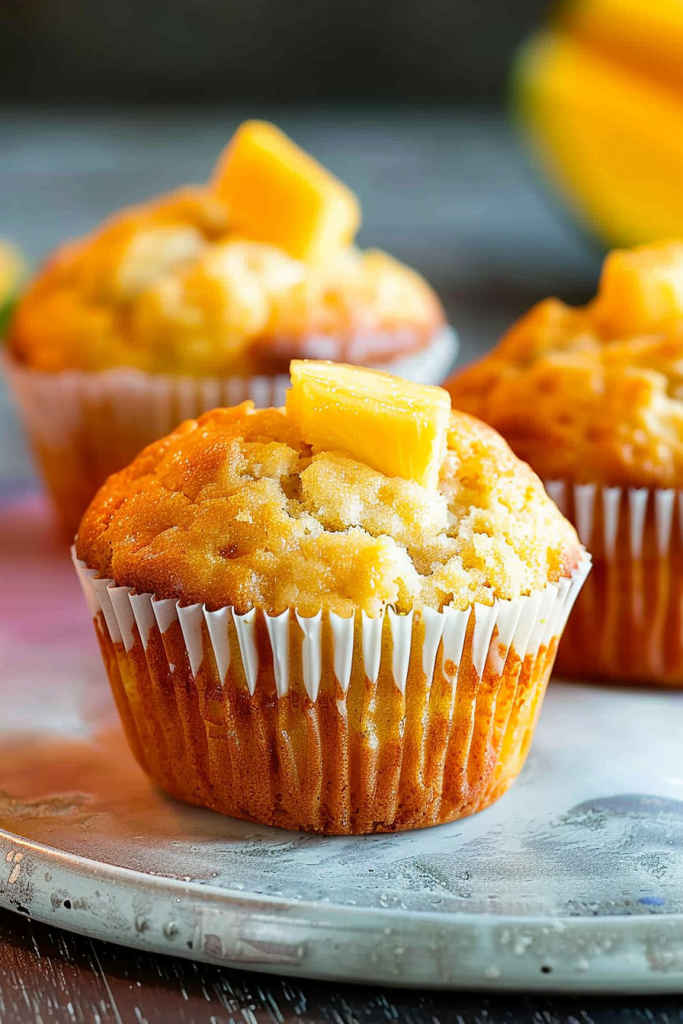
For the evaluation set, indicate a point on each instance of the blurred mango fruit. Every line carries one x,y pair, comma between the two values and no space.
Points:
13,272
599,94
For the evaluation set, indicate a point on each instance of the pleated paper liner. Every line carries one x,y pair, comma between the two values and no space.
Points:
628,623
85,426
328,724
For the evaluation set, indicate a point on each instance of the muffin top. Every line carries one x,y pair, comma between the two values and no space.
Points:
594,394
232,278
237,509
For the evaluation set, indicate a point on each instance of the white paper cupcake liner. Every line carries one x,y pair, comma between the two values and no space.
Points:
84,426
361,724
628,624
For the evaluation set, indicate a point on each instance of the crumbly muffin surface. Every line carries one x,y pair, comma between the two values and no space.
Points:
234,509
171,287
593,394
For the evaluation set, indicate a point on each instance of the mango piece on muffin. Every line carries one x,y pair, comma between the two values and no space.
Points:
592,398
394,426
201,298
313,640
231,278
279,194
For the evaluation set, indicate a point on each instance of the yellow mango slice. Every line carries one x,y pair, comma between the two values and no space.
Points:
12,270
394,426
13,273
607,133
641,290
644,33
277,193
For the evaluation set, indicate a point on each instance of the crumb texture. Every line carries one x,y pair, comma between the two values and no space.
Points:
173,287
594,394
235,509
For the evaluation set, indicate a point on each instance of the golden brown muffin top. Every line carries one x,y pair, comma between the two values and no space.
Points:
172,287
594,394
235,509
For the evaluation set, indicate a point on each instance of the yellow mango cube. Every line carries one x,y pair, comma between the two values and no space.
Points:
390,424
12,270
276,193
641,290
12,275
607,134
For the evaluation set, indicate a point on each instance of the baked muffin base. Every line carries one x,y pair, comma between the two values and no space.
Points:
627,626
85,426
324,724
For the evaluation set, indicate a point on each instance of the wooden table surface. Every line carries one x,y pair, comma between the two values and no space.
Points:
49,976
447,191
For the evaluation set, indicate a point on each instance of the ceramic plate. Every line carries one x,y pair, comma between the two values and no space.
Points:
573,881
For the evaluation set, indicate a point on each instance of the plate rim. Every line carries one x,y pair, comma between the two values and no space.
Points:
272,934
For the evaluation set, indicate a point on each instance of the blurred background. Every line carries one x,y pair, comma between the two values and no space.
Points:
102,105
263,51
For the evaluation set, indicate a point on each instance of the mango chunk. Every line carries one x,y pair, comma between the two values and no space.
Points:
641,290
394,426
645,33
276,193
13,273
12,270
606,132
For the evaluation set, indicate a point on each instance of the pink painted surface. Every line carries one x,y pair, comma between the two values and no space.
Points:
41,602
52,680
67,777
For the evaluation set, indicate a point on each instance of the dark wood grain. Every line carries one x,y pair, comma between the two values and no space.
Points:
48,975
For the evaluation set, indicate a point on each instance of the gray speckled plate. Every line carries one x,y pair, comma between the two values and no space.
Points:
573,881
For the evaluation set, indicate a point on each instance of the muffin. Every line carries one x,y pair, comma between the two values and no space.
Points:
308,625
592,398
200,299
